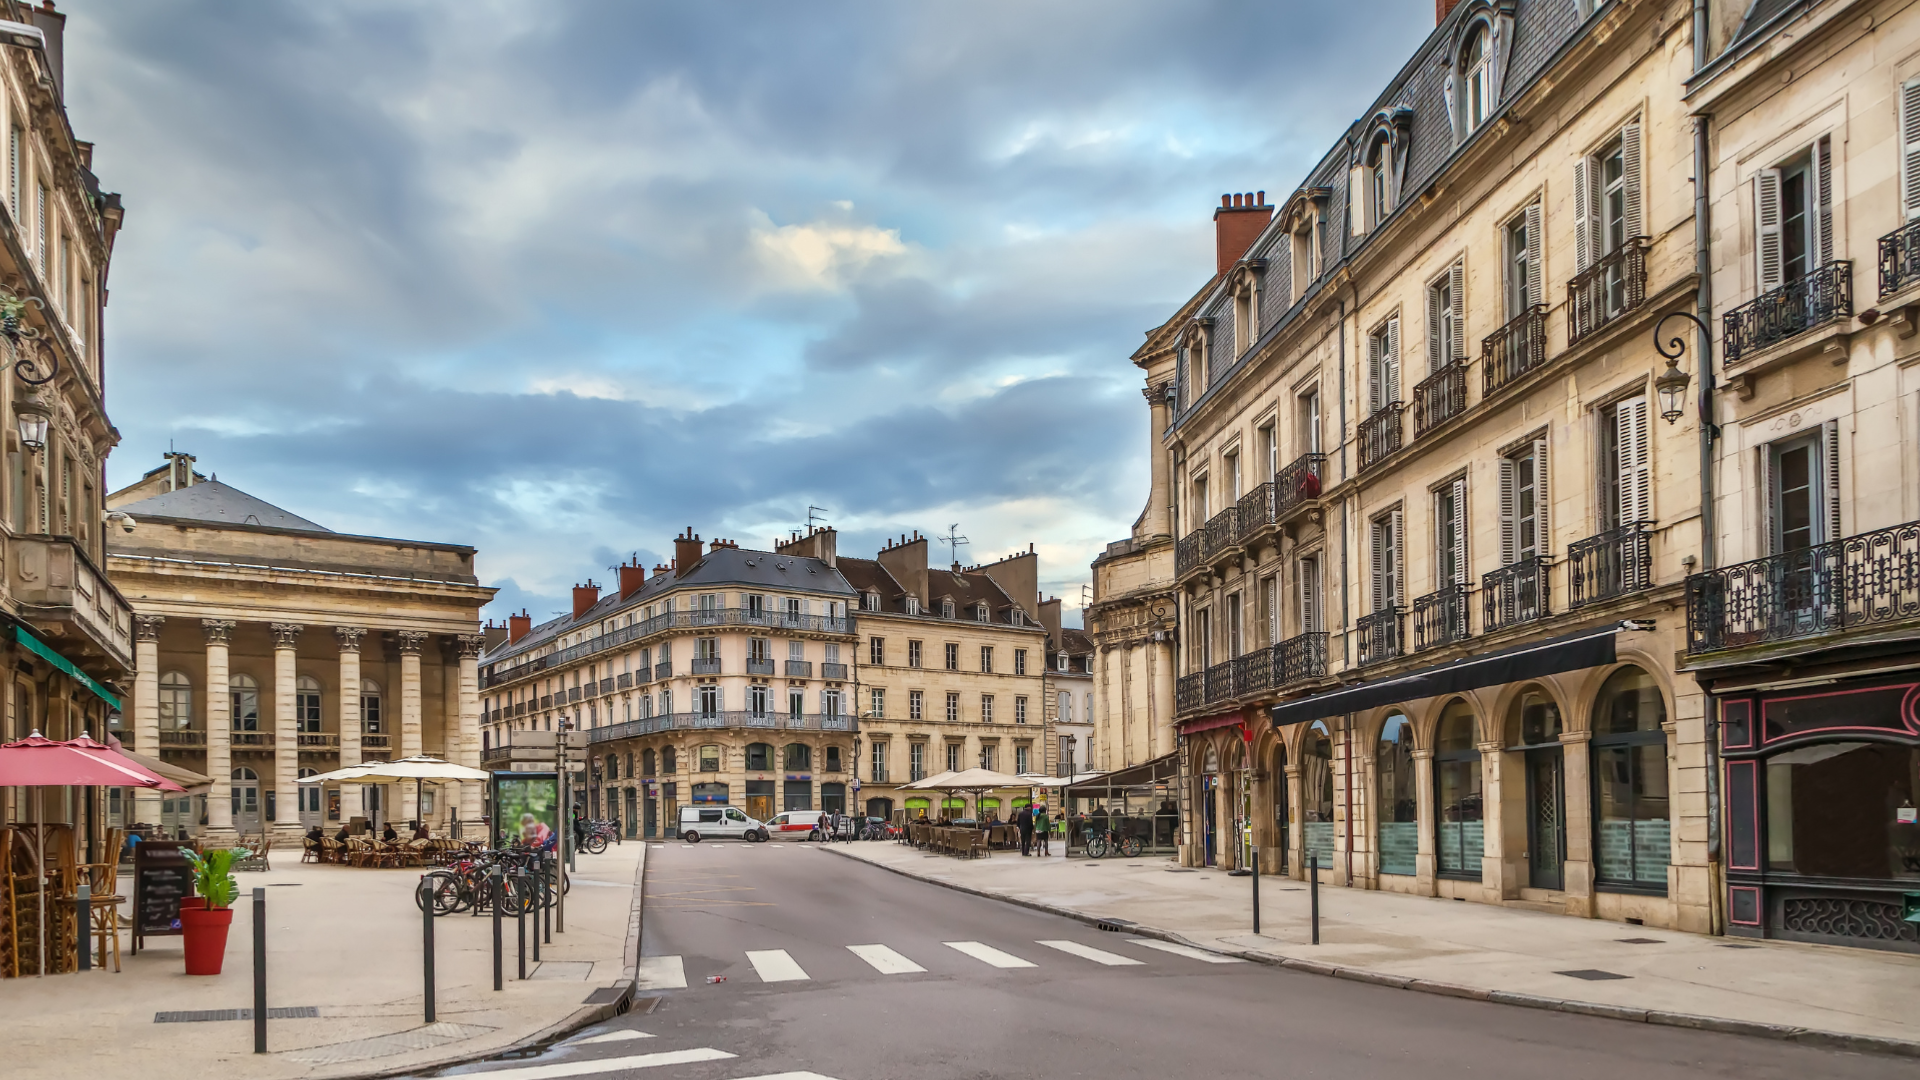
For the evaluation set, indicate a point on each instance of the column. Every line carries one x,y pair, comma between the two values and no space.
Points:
219,730
410,642
1426,863
1577,805
286,735
1295,838
146,707
1502,870
349,639
469,722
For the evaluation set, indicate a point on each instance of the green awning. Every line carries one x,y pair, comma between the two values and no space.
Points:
45,652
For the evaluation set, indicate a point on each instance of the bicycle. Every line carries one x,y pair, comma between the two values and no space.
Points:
597,835
1106,841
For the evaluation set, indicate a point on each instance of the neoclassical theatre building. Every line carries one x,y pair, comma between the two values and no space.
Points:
270,648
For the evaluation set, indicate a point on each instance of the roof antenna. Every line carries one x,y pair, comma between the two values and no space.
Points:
816,513
953,540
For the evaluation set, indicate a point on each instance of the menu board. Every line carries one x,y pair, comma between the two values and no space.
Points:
161,879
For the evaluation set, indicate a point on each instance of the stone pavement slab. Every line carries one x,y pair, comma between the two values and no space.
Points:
1475,949
347,942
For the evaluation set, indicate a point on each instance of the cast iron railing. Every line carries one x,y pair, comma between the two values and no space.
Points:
1380,435
766,721
1517,593
1381,636
1439,398
1256,509
1900,258
709,665
1441,617
1614,563
1303,656
1220,681
1189,551
1298,484
1190,692
1222,529
1608,289
1862,580
1253,673
1515,349
759,667
799,669
833,671
1788,311
496,674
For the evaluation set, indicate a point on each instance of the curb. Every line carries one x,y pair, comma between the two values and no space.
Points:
1826,1040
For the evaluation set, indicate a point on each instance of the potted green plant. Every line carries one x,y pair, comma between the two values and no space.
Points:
205,927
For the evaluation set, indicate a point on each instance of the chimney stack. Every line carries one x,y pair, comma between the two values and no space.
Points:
632,576
518,626
1236,225
584,597
686,552
1442,9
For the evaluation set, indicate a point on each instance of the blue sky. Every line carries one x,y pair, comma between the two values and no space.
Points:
560,279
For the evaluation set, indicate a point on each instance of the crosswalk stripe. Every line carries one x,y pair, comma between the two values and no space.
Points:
1088,952
611,1036
884,960
988,954
660,973
1188,951
606,1065
789,1076
774,965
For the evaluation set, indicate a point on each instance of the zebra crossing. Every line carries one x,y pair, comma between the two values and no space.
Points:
771,966
624,1063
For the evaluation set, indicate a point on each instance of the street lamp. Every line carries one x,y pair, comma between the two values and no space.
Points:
31,414
1671,384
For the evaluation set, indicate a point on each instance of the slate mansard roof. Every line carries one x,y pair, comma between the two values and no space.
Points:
213,501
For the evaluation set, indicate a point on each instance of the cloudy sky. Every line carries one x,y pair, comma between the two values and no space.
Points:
559,278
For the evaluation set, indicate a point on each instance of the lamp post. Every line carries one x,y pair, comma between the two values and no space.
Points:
566,828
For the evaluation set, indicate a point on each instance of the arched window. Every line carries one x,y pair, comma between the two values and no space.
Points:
759,756
1379,181
710,758
669,760
1399,818
613,766
309,793
1456,784
371,716
176,702
1316,794
646,763
799,757
1632,844
245,694
1476,77
306,703
1536,720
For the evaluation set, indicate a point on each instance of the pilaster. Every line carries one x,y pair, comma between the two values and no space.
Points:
409,642
146,706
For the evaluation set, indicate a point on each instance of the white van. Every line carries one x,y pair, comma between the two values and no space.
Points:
699,823
796,824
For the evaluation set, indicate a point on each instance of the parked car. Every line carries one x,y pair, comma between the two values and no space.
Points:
795,824
699,823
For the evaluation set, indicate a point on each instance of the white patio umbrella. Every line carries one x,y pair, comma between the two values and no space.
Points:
418,769
924,782
977,781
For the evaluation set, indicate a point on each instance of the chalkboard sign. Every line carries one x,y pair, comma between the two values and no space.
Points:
161,879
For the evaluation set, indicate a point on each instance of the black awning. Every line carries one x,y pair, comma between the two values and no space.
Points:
1147,773
1568,652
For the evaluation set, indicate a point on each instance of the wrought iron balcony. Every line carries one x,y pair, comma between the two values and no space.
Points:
1516,594
759,667
591,690
1190,692
1381,635
1441,618
625,680
546,701
1865,580
1220,682
1222,529
606,686
1298,484
573,693
799,669
1614,563
833,671
1253,672
1303,656
1380,435
1900,258
1788,311
1439,398
1189,551
695,721
1610,288
706,665
1256,510
663,670
1515,349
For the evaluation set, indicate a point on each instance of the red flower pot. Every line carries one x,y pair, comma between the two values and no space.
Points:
195,902
205,930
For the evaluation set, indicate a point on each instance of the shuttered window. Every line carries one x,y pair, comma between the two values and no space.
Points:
1525,266
1308,583
1632,439
1446,318
1387,590
1793,217
1450,534
1383,365
1910,150
1524,531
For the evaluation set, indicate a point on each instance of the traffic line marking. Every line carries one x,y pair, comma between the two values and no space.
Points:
609,1037
774,965
660,973
789,1076
1088,952
607,1065
884,960
1188,951
988,954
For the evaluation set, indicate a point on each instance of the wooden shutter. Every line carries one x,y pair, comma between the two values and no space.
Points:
1436,348
1380,578
1583,207
1457,291
1309,602
1830,472
1910,149
1823,193
1390,370
1459,526
1536,257
1636,478
1769,500
1358,205
1509,515
1374,399
1542,525
1766,219
1396,565
1630,177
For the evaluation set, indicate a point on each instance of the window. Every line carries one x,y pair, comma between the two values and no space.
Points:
877,650
1387,587
796,650
1234,641
1521,268
1450,535
870,601
1063,707
1793,206
1243,324
946,609
246,792
1019,661
709,701
987,755
876,703
832,704
1814,793
1062,662
916,705
1626,481
759,650
981,613
986,708
986,658
1524,529
1269,613
1019,710
1203,638
1476,71
953,757
669,760
705,648
953,656
756,608
953,708
1022,760
916,761
793,610
370,711
759,756
176,702
1397,789
913,654
306,704
1632,843
913,605
1446,318
1606,209
1383,366
1308,421
1803,489
877,762
831,653
1269,440
833,759
1230,472
710,758
1456,768
1316,794
1371,189
245,694
647,767
799,757
1202,505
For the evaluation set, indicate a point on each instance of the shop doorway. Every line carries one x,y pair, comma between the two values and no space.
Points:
1209,818
1546,819
631,819
880,808
652,818
246,801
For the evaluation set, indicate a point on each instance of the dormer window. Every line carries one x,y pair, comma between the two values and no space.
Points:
1379,197
1063,662
1476,77
870,601
913,605
981,613
946,609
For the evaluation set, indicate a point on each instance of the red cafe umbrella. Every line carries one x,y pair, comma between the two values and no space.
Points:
37,761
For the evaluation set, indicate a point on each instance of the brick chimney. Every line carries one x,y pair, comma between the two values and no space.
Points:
1236,225
686,552
1442,9
584,597
519,626
632,576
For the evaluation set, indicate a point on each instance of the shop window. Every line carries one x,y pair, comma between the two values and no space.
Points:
1456,767
759,756
1399,818
1632,844
799,758
710,758
1844,810
1316,794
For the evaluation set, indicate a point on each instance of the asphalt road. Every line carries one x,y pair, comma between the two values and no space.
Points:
779,924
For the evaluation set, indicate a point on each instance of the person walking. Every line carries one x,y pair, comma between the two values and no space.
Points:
1023,820
1041,826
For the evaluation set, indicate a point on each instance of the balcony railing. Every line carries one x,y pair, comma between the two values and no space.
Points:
1256,510
63,596
762,721
182,738
1298,484
1788,311
1614,563
1190,692
1189,551
1303,656
573,693
1515,349
799,669
373,740
1864,580
625,680
706,665
1441,618
495,674
1380,435
1253,672
1381,635
663,670
1220,682
1222,529
1439,398
252,740
759,667
833,671
317,741
1608,289
1516,594
1900,258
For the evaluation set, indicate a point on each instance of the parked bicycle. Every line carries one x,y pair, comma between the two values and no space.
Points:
597,835
1106,842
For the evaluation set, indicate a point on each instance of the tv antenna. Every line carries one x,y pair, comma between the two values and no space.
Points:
816,513
953,540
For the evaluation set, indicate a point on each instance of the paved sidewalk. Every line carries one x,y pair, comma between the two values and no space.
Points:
346,941
1467,949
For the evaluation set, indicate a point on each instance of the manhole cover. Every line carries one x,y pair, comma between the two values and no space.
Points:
1592,975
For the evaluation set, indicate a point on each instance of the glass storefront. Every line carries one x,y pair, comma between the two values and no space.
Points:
1399,809
1316,791
1456,767
1844,810
1632,842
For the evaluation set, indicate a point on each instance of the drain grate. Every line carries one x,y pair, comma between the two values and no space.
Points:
1592,975
1640,941
1115,925
288,1012
1739,946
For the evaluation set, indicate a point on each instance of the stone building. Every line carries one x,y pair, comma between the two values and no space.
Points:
270,648
1432,527
68,636
1070,700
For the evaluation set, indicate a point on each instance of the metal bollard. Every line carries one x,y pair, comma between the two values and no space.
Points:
499,886
83,929
1256,891
1313,893
546,898
520,921
426,939
539,901
259,971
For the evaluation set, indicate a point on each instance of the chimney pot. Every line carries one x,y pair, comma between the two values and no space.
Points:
686,552
518,626
631,578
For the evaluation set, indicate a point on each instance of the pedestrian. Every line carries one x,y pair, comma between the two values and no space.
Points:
613,819
1023,819
1041,826
579,828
